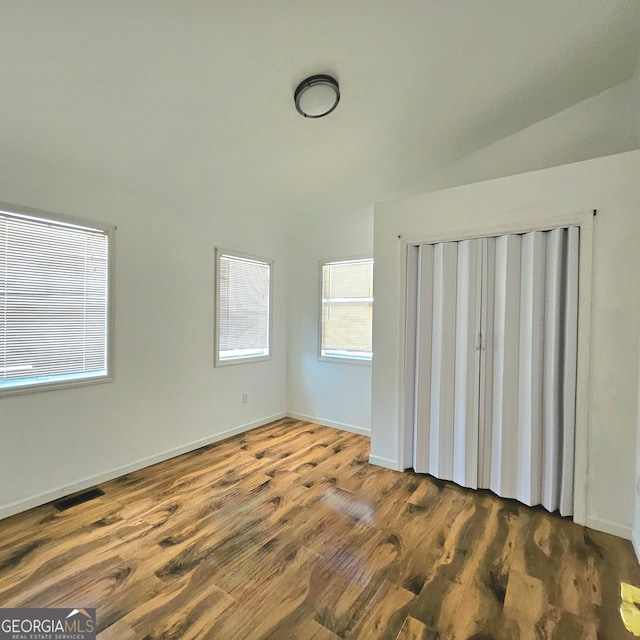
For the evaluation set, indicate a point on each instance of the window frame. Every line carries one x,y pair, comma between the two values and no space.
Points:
346,359
57,219
225,362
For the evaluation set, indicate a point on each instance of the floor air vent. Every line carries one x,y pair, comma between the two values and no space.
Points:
78,498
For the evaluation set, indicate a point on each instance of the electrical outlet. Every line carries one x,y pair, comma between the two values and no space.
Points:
245,398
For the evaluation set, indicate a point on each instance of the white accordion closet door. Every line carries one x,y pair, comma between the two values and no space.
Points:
496,364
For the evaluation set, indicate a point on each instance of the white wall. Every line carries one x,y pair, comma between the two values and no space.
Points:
167,395
332,393
608,184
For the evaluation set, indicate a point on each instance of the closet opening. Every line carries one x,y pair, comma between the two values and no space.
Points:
495,366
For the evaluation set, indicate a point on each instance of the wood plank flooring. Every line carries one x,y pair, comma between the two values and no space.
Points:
286,532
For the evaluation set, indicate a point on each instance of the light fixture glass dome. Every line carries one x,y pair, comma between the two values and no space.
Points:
317,96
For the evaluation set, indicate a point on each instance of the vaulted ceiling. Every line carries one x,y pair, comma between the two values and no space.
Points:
191,101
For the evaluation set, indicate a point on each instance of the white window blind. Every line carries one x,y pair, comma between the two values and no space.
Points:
243,310
347,307
53,302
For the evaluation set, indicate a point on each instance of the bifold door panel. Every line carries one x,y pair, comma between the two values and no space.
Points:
448,357
495,383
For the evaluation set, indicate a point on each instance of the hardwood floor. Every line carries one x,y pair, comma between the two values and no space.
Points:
287,532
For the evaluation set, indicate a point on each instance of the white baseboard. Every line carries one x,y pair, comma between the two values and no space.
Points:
613,528
330,423
635,540
387,463
48,496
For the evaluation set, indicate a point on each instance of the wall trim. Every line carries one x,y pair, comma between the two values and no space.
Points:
330,423
635,540
615,529
387,463
48,496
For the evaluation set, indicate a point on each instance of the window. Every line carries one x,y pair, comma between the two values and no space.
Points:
347,306
243,310
54,301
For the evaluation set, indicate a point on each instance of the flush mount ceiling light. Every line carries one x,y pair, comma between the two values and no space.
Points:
317,96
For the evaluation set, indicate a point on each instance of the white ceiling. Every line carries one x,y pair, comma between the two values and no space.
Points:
191,101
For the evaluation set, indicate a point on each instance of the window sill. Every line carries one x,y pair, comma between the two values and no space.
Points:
241,360
346,360
52,386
